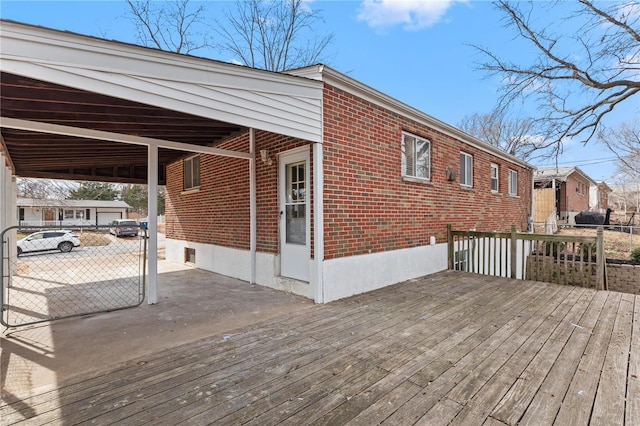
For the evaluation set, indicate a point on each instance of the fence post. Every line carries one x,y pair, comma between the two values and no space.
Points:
449,247
513,252
600,260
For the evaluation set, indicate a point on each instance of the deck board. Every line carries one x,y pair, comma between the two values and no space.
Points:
632,413
452,348
609,404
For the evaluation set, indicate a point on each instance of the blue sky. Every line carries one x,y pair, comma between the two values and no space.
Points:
417,52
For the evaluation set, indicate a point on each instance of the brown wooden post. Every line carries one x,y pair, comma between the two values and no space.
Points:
514,252
600,261
450,246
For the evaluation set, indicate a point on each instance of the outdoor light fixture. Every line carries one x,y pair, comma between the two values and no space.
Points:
264,156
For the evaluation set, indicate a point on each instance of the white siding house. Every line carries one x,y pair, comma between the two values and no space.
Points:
33,212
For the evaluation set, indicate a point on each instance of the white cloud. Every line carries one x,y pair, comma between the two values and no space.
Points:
412,15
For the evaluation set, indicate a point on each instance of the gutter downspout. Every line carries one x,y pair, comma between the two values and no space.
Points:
533,204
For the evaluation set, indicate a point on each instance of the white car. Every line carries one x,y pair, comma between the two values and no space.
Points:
63,240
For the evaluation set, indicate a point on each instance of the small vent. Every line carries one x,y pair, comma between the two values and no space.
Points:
450,174
190,255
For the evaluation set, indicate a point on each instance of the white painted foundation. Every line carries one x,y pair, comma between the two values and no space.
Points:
343,277
346,276
237,264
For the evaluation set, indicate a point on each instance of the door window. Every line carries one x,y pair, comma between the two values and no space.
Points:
295,205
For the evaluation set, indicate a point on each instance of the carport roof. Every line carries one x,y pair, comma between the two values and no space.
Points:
78,107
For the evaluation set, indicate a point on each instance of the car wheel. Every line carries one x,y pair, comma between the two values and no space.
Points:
19,251
65,247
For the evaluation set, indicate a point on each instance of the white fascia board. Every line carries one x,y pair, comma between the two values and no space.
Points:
269,101
56,129
57,47
369,94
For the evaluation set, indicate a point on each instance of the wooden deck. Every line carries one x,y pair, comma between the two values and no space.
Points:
453,348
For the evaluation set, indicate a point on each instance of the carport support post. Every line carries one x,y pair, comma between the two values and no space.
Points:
252,203
152,224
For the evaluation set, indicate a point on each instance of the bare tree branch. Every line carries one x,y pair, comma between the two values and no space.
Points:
624,141
577,78
170,26
515,136
43,189
273,35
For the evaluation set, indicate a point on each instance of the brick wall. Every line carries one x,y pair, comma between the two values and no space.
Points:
218,213
370,208
623,278
578,201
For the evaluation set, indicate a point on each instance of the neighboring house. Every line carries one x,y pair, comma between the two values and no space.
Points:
392,179
599,196
563,191
34,212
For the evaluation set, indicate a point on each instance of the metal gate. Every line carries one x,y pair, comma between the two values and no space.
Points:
52,273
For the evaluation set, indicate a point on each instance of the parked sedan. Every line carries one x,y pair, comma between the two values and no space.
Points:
63,240
124,227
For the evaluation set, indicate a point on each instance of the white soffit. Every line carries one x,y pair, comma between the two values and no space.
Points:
269,101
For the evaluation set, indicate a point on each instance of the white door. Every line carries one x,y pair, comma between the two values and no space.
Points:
294,215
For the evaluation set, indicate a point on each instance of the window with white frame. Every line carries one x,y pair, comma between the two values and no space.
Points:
416,156
73,214
494,177
513,182
466,169
191,168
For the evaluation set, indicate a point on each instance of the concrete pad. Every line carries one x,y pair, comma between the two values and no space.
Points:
193,304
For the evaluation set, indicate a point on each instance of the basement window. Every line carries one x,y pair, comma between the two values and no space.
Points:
191,167
190,255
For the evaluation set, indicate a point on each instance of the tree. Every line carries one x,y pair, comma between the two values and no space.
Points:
136,196
585,66
43,189
274,35
513,135
171,26
624,142
94,191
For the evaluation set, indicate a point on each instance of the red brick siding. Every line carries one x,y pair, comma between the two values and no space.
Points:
370,208
218,213
572,200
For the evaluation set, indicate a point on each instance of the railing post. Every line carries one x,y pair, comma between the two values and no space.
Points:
513,252
449,247
600,260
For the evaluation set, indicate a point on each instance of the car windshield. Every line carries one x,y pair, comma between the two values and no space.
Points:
128,223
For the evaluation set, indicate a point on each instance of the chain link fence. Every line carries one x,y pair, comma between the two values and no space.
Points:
51,273
619,240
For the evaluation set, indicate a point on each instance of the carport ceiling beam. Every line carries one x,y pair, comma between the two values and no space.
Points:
56,129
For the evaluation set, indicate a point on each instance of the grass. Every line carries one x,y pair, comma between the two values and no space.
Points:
617,245
93,239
